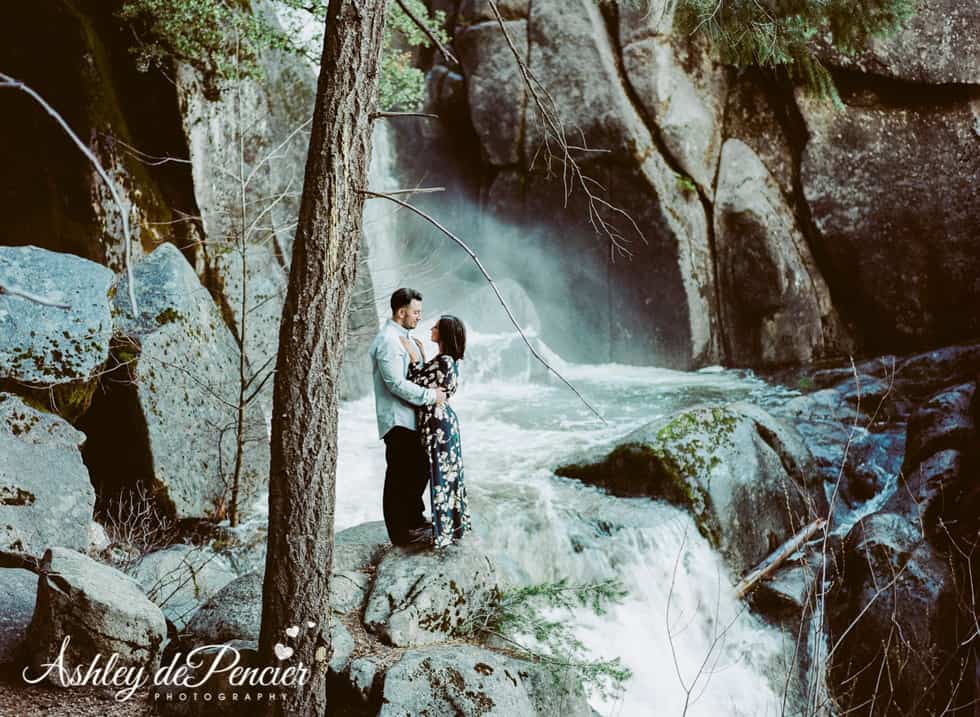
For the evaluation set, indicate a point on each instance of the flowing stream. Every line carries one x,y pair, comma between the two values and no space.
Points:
540,527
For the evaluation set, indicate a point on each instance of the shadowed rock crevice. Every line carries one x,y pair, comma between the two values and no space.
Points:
77,57
611,17
117,448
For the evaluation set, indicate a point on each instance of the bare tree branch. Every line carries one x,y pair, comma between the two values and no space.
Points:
450,57
379,115
17,560
417,190
269,156
4,289
768,566
493,285
150,160
8,81
571,172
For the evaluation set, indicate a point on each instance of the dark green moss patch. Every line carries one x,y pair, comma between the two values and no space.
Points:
675,466
68,400
15,496
167,316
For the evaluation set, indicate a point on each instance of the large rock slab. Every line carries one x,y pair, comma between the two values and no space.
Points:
495,87
756,112
679,84
420,598
937,45
360,546
468,681
50,346
179,579
663,259
253,289
101,610
232,613
943,422
572,55
893,580
775,304
187,381
51,195
46,497
18,593
235,611
906,270
269,119
746,477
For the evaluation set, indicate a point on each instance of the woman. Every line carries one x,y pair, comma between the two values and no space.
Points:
439,430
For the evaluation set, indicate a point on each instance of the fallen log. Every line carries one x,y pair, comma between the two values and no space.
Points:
768,566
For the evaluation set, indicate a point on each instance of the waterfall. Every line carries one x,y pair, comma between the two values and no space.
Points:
379,220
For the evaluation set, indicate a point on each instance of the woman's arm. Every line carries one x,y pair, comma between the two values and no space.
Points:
434,374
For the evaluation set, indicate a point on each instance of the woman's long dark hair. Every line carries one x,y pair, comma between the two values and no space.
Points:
452,336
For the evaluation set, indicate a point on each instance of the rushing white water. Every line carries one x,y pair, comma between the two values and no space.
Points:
540,527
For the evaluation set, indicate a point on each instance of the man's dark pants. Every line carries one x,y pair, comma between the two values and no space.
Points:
405,480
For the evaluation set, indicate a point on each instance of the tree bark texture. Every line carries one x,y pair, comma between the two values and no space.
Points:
311,348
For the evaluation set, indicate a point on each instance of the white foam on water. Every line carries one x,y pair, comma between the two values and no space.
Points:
540,527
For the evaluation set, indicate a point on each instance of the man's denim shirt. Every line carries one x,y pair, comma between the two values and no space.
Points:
395,397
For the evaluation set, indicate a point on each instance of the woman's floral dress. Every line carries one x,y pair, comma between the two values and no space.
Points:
439,430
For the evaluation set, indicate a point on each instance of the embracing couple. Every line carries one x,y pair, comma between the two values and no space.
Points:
420,430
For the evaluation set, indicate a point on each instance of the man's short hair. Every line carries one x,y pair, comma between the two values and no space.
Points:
404,297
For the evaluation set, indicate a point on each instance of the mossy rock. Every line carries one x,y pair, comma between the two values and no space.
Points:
744,476
60,346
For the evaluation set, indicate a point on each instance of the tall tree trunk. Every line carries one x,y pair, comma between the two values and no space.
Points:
311,349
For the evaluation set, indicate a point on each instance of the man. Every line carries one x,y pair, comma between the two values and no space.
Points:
395,398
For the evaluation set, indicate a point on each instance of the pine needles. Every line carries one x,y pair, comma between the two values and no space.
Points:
533,621
784,34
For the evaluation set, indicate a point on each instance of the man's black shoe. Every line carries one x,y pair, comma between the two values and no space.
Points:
420,535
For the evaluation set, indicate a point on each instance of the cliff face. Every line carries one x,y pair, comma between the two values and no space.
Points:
774,229
769,229
156,394
175,152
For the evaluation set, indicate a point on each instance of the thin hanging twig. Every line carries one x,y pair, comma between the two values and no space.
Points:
8,81
493,285
554,131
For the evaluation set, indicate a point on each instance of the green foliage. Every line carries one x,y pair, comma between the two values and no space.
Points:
224,40
216,37
686,184
522,613
402,85
782,33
